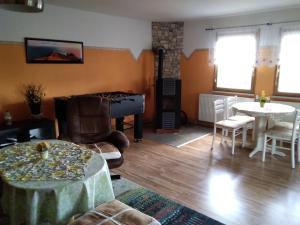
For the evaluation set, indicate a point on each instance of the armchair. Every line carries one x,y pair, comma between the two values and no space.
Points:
89,124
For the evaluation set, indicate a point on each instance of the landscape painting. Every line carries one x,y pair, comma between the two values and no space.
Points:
53,51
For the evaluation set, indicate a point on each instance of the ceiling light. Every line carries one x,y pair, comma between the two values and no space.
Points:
23,5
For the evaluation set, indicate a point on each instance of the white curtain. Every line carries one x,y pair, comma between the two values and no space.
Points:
212,37
268,39
269,42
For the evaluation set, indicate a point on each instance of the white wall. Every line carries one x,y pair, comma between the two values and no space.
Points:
195,36
93,29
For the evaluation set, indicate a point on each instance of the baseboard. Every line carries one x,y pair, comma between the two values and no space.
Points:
205,124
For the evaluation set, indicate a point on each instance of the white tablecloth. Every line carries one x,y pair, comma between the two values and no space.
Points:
269,110
54,202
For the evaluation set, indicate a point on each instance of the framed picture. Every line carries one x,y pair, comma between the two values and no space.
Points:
53,51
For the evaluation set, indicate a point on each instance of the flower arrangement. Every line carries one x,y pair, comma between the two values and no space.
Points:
43,147
33,95
263,99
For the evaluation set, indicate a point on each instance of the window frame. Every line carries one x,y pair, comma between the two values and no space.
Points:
250,91
253,78
277,73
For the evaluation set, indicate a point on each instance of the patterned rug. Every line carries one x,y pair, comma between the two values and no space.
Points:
167,212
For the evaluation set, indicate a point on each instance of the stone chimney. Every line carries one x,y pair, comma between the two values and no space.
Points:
168,35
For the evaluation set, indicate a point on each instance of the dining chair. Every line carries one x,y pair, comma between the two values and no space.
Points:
231,115
281,121
236,127
284,134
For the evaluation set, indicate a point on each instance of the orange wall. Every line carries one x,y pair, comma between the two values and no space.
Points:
197,77
106,70
103,70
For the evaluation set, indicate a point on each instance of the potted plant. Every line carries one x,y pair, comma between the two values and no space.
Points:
33,95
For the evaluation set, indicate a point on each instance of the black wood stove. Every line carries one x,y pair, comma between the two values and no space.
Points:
122,104
168,98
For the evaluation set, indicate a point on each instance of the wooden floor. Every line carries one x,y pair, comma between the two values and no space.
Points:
231,189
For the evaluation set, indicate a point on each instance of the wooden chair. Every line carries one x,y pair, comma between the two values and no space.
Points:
236,127
230,115
284,134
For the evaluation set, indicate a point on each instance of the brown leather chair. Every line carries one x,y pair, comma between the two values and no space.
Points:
89,123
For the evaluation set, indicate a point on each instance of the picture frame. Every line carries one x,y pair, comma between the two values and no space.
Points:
39,50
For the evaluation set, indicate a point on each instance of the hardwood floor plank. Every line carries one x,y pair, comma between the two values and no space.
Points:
232,189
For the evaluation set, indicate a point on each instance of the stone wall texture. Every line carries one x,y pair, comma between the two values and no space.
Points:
168,35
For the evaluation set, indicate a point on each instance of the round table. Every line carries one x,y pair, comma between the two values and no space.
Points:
55,201
261,115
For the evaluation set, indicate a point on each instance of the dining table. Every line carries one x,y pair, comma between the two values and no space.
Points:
48,189
262,115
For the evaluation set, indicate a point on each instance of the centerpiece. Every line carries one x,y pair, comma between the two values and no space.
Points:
263,99
43,149
33,95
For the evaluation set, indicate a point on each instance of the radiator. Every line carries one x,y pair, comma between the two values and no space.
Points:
206,108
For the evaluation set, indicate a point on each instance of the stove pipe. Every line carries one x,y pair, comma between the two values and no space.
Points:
161,54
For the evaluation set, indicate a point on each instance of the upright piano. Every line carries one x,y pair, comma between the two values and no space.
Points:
122,104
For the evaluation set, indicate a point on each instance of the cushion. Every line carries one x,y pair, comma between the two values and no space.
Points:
280,133
229,124
107,150
115,212
241,118
287,125
282,130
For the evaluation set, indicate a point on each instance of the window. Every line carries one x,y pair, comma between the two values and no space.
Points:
235,56
288,71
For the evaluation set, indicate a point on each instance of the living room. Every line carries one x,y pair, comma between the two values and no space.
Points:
121,44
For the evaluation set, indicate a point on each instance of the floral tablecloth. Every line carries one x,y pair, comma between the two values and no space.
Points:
23,162
37,192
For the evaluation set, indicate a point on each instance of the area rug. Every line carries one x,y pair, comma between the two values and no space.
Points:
166,211
186,135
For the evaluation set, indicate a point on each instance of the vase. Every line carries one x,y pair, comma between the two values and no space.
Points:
262,104
35,109
45,154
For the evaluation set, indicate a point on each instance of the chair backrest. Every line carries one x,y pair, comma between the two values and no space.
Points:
230,101
88,119
219,110
296,125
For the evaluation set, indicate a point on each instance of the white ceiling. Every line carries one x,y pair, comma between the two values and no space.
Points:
168,10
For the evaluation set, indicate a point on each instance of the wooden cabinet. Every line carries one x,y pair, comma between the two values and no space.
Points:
24,130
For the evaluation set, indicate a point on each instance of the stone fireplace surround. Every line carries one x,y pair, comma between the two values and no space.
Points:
168,35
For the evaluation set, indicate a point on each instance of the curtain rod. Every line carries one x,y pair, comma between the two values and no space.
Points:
251,25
